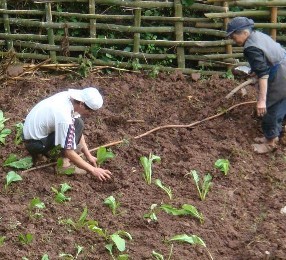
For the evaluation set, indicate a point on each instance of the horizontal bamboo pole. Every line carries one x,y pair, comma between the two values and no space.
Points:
215,56
254,3
118,41
213,49
249,13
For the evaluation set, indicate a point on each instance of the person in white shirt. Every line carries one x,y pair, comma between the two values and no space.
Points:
56,121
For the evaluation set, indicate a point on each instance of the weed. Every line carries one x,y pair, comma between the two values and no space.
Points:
112,204
60,195
102,154
222,165
11,177
168,190
147,165
203,189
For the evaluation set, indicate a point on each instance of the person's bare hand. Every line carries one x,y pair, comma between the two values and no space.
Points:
261,108
92,160
101,174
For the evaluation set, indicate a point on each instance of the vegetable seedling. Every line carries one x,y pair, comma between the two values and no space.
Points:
60,195
25,239
112,204
223,165
61,170
11,177
158,256
24,163
2,240
151,215
168,190
147,165
203,189
34,208
192,239
4,132
186,209
45,257
19,132
102,154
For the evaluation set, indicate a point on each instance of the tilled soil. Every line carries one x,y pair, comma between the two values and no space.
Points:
242,218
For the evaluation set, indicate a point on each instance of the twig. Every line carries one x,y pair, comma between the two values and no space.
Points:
244,84
135,121
153,130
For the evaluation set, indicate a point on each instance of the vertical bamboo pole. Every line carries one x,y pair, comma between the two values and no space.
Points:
228,47
92,22
273,19
51,38
179,34
7,25
137,23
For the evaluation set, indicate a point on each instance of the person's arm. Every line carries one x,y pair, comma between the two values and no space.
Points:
99,173
86,152
259,66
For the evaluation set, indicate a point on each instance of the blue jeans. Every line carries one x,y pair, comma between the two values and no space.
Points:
273,119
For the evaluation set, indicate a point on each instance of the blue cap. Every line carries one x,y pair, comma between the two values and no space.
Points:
237,24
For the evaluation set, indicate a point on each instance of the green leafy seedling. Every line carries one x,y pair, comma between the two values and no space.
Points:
203,188
4,132
45,257
12,177
61,170
158,256
186,209
2,240
60,195
24,163
147,165
190,239
34,208
168,190
25,239
151,215
103,154
223,165
112,204
79,249
19,132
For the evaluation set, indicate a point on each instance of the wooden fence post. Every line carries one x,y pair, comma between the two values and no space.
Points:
228,47
92,22
179,33
273,19
137,23
51,37
7,25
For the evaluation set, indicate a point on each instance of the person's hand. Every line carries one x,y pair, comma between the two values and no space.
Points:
101,174
261,108
92,160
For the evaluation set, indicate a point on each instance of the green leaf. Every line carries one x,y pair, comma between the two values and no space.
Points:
118,241
3,135
222,165
65,187
168,190
45,257
11,158
37,203
102,155
122,257
24,163
193,239
157,255
171,210
12,177
111,202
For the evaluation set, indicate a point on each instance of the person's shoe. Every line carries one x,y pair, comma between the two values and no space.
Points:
264,148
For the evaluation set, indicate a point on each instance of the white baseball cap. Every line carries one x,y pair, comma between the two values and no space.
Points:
90,96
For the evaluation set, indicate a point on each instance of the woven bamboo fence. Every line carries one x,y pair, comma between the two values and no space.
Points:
162,35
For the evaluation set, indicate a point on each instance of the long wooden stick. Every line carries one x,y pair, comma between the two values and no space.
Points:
151,131
244,84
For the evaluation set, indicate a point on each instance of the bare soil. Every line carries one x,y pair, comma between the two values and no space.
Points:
242,218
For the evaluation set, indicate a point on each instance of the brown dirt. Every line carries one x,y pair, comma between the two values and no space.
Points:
241,211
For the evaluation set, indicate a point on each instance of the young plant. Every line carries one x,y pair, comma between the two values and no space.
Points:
168,190
192,239
151,215
34,208
12,177
103,154
19,132
186,209
4,132
60,194
81,222
25,239
147,165
2,240
79,249
158,256
24,163
112,204
61,170
45,257
203,189
222,165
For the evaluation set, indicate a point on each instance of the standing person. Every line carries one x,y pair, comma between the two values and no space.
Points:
267,60
56,121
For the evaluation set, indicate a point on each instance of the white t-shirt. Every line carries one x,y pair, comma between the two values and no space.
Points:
53,114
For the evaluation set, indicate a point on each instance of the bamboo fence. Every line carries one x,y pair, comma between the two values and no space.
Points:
161,35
